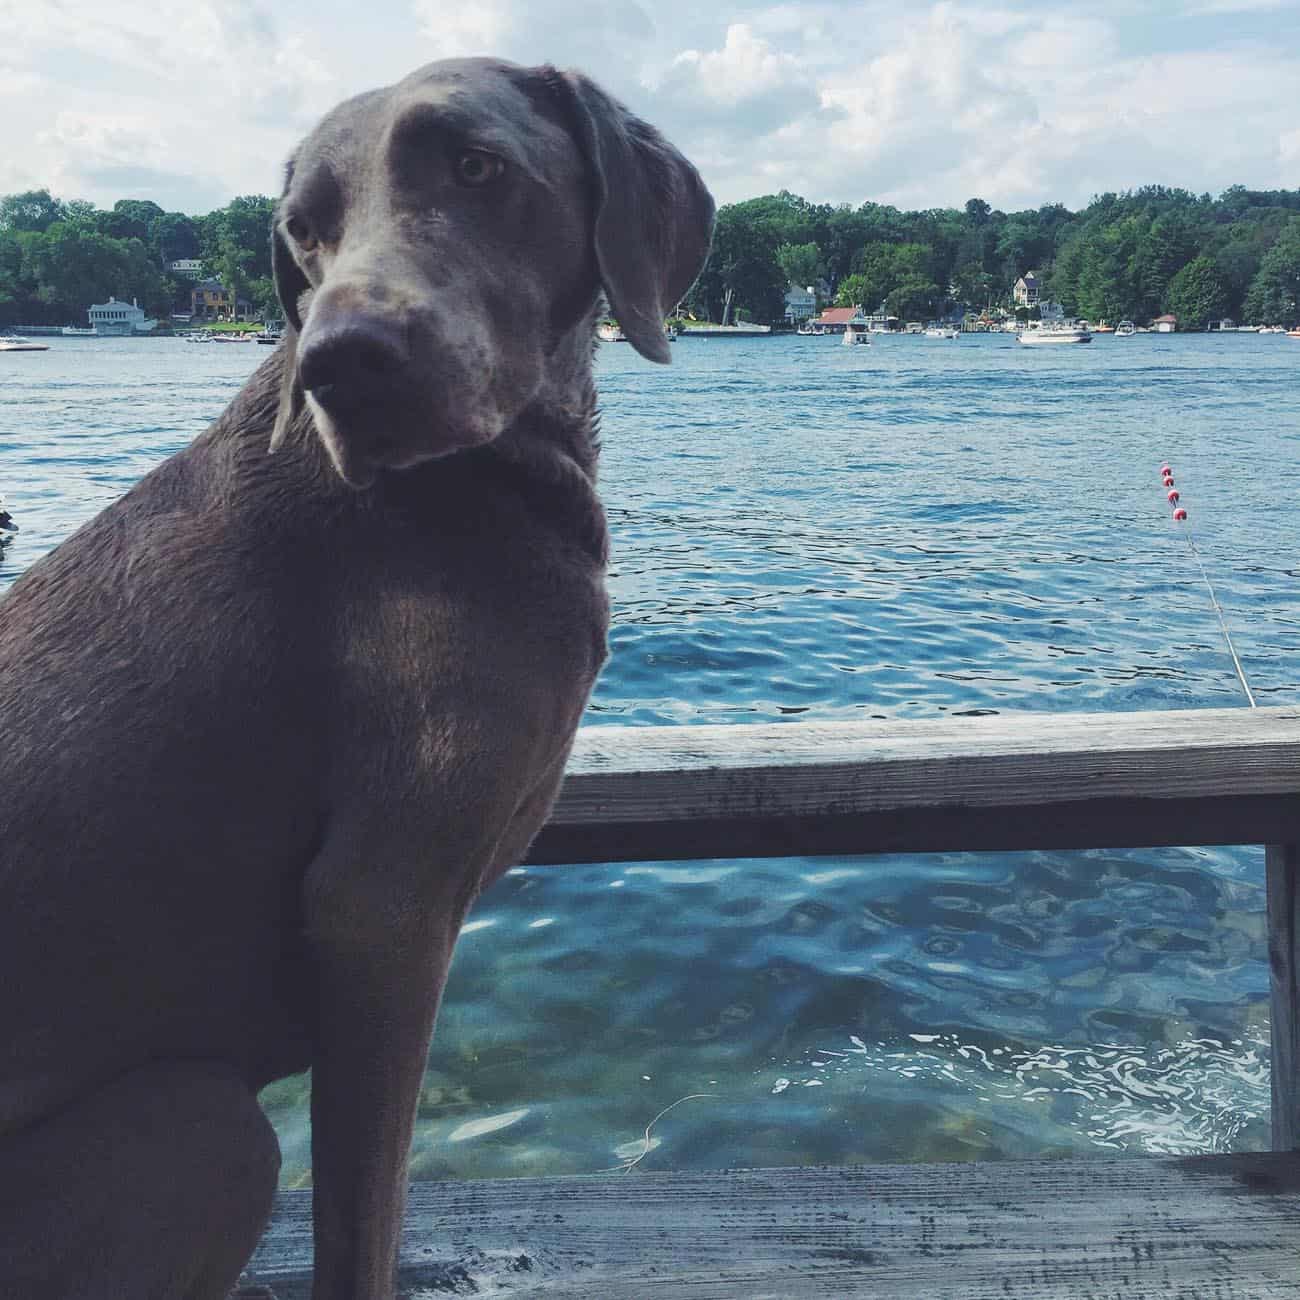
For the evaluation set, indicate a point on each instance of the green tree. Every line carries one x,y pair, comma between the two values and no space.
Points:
851,290
32,210
1274,294
801,264
1196,294
1167,246
914,298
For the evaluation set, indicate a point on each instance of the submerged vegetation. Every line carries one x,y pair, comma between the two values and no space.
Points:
1132,255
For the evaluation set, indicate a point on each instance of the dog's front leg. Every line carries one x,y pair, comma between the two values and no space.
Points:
382,955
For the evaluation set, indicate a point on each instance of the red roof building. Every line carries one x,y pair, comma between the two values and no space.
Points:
838,317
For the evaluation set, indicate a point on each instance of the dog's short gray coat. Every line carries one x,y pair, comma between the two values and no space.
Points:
270,722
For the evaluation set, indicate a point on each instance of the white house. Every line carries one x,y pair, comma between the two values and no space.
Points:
1027,289
113,317
190,267
1165,324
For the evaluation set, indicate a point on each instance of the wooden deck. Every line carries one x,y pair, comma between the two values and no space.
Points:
1207,1228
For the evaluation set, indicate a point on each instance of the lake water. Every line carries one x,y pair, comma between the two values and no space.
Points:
913,529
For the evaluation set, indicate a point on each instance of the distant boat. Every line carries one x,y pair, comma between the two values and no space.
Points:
1293,334
609,331
1272,329
16,343
706,330
940,332
1125,329
852,336
807,331
1046,334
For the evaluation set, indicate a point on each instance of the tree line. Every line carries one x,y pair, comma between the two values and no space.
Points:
57,257
1132,255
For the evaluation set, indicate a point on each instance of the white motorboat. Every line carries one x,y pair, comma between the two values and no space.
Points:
16,343
1125,329
1050,334
609,331
940,332
852,337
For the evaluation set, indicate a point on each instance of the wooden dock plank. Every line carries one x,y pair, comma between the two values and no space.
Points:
1204,1228
1204,776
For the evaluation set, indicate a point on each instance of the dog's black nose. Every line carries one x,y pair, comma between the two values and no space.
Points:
353,361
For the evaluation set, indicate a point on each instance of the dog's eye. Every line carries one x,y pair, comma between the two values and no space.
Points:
476,167
300,233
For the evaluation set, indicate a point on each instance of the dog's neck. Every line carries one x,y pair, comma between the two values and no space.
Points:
551,450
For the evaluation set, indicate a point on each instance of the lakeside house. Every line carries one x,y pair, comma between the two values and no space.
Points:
800,304
191,268
1027,289
115,318
211,300
1165,324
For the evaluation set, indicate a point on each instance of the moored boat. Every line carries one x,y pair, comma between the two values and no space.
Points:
1125,329
16,343
940,332
853,336
1050,334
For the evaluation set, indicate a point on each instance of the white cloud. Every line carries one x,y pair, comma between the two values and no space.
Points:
1207,7
745,67
921,104
457,31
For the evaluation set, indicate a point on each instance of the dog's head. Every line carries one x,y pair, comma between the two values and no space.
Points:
439,240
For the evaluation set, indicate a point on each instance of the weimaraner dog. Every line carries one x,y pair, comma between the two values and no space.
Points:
271,722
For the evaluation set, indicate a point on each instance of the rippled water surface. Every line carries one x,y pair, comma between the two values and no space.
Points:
912,529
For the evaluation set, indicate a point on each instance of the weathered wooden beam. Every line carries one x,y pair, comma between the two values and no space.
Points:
1206,776
1127,1229
1282,866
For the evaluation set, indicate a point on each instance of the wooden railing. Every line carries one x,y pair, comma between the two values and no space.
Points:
1040,781
1029,781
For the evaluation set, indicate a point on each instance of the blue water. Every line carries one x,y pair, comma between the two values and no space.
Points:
803,530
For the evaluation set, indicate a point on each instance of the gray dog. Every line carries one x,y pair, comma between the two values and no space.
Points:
271,722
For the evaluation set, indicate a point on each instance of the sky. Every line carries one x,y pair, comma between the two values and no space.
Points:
911,102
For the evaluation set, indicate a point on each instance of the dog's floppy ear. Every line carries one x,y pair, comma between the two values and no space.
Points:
290,285
653,215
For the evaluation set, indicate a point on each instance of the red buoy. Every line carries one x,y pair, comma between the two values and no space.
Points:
1180,514
1164,469
1169,480
1173,496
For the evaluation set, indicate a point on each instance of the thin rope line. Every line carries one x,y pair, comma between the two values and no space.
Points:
1223,624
